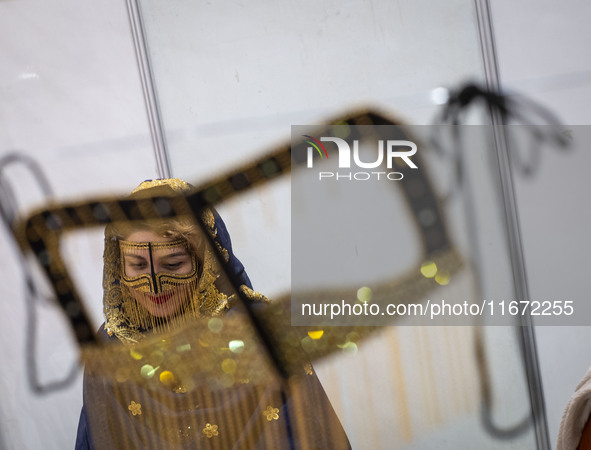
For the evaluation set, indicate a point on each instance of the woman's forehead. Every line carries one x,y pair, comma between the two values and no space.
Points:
143,241
146,236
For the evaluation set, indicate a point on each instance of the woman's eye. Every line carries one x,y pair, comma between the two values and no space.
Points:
173,266
137,266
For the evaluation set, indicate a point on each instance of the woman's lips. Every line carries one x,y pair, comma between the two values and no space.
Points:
159,298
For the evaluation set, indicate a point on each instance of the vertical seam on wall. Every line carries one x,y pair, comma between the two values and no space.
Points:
149,89
533,375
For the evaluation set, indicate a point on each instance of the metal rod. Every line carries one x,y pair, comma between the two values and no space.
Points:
149,89
528,339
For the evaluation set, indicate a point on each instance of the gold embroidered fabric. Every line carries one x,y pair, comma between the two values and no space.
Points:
176,184
206,291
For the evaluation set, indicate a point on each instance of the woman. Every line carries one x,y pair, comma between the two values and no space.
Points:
178,381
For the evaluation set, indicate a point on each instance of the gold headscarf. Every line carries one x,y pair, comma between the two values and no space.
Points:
125,317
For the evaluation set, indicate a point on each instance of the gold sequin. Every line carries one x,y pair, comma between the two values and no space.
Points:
429,269
210,430
308,369
316,334
135,408
135,355
271,413
167,377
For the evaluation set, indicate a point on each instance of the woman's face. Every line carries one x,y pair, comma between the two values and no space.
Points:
172,260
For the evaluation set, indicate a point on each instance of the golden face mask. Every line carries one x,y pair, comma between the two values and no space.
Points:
155,267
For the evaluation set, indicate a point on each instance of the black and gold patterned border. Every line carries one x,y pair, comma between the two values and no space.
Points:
42,231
